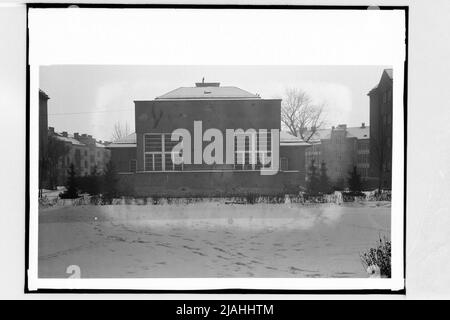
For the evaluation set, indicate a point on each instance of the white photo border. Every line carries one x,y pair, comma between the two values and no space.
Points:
73,30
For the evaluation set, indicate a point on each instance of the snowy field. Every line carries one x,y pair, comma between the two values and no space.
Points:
211,239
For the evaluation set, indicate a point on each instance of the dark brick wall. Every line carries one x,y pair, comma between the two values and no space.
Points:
295,156
231,183
43,124
381,120
121,158
43,139
166,116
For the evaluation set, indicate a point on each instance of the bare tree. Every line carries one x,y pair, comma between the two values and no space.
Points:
298,113
120,131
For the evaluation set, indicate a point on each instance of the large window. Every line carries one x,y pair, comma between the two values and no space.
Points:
158,152
252,151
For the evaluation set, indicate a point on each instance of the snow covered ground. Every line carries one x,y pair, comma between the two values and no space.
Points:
52,194
210,239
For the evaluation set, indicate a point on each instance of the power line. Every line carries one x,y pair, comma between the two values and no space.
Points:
87,112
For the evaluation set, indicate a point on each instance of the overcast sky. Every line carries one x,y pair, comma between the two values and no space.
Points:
91,99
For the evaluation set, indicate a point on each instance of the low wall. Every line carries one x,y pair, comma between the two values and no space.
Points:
215,184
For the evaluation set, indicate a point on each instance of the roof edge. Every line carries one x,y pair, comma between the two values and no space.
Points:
209,99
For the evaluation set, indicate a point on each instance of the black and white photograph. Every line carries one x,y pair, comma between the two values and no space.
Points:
205,149
227,159
263,172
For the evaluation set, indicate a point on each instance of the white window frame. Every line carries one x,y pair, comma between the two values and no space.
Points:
241,166
163,154
153,153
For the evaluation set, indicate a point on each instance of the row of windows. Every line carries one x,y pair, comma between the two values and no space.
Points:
363,158
251,153
284,166
67,162
363,172
363,145
338,139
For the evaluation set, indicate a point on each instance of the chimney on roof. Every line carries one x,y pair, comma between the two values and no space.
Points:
84,135
207,84
76,135
51,130
363,125
64,134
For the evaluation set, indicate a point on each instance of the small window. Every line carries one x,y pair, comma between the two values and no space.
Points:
284,164
133,165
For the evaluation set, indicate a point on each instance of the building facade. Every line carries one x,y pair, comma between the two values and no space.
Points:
208,109
43,123
83,151
43,138
381,130
341,148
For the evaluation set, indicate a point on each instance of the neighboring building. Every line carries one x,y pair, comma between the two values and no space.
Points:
145,159
341,148
123,154
381,130
43,123
84,152
43,137
292,155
